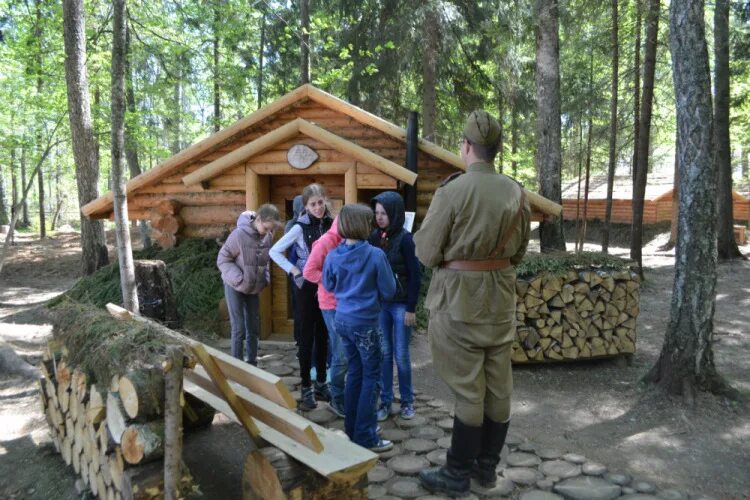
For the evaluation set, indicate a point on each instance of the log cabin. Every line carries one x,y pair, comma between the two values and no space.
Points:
657,205
269,156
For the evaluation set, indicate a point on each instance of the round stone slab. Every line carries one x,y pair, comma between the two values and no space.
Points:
546,484
560,468
549,454
672,495
539,495
426,432
522,459
437,457
513,439
417,421
617,478
379,474
503,487
587,488
395,435
522,475
639,496
419,445
444,442
643,487
593,469
376,491
395,451
321,415
423,397
408,465
574,458
292,381
435,403
526,446
280,370
445,424
406,487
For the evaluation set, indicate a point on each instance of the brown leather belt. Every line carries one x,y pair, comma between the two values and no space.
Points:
476,265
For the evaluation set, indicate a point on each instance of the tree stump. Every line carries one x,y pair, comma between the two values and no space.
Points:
271,474
155,295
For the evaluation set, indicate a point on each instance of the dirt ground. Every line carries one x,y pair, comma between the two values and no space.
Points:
598,409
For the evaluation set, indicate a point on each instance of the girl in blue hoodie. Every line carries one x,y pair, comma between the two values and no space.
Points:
360,278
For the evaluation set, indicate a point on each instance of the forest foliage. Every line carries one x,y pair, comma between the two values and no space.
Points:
370,53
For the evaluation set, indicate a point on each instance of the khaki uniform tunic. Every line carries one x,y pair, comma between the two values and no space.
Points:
472,313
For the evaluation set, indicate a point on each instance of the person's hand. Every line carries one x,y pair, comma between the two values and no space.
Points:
410,319
295,271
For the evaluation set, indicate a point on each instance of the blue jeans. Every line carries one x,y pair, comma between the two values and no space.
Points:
337,369
362,344
396,337
244,317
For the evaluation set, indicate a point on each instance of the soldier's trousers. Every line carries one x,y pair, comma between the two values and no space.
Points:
474,361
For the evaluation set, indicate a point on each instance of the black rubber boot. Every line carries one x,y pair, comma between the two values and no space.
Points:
493,439
453,478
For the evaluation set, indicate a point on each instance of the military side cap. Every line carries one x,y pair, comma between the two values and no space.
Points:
482,128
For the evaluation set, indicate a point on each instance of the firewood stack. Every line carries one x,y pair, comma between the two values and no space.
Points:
588,313
113,435
166,223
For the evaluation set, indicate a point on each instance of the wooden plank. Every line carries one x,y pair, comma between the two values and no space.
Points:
259,381
226,391
251,189
282,419
350,186
376,181
319,167
340,461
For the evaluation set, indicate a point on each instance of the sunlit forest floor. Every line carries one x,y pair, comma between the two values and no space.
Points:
598,409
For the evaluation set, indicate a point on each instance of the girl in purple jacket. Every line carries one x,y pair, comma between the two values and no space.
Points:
243,261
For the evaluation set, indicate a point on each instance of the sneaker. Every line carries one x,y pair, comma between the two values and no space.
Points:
322,392
407,412
339,412
384,412
378,429
381,446
307,402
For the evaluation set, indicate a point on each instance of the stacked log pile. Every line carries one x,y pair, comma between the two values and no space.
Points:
588,313
166,222
113,435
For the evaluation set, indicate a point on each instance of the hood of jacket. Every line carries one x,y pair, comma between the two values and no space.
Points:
393,204
245,223
353,258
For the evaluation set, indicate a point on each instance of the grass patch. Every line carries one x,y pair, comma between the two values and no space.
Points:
191,266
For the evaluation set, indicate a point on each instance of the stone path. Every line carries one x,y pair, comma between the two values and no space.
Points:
525,472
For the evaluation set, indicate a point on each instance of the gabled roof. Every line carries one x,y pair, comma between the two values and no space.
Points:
292,129
303,93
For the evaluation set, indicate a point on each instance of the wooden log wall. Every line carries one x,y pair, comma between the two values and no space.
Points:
589,313
113,434
654,211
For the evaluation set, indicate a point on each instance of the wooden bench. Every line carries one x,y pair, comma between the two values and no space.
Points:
295,458
739,235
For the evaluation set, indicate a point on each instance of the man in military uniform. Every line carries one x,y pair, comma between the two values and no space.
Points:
475,231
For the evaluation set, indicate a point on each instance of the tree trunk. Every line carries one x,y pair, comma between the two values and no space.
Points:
612,126
217,78
429,70
514,138
131,144
93,245
13,181
579,223
39,88
686,360
588,174
723,155
636,87
3,209
122,230
500,120
172,423
548,155
304,49
25,222
644,135
260,55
